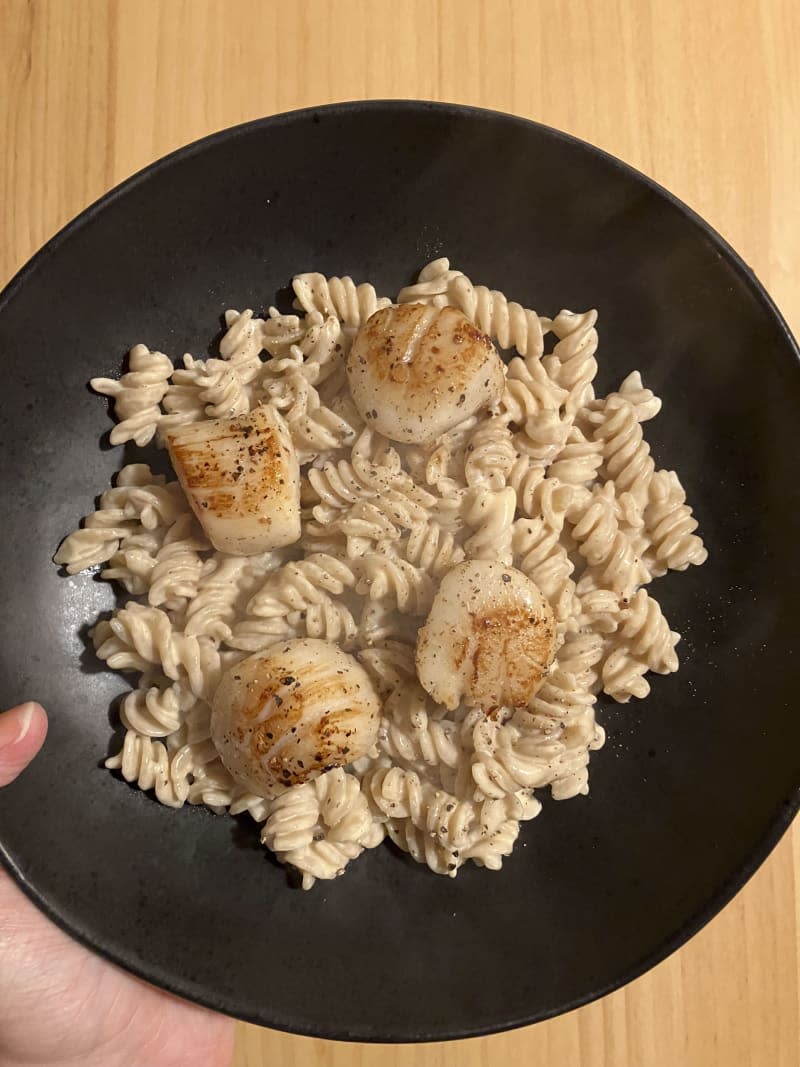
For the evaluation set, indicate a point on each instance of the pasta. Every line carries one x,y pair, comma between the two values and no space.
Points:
373,468
224,582
626,455
386,577
431,548
412,736
314,427
490,513
319,826
490,454
605,547
572,365
352,304
507,322
147,763
538,550
548,479
138,395
389,664
156,710
533,401
296,586
673,544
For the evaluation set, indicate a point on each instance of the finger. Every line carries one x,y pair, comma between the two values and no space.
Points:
22,733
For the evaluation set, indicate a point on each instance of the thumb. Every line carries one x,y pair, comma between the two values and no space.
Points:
22,733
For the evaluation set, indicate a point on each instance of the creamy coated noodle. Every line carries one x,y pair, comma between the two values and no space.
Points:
527,472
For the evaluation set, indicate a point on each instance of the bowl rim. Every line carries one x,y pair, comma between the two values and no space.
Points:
783,818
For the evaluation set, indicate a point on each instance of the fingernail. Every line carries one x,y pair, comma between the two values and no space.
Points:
25,717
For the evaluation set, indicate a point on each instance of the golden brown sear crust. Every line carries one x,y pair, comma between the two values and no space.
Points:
421,346
239,478
511,651
284,716
415,371
489,638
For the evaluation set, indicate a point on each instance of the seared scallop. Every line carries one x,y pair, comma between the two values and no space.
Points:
242,479
489,638
416,371
291,712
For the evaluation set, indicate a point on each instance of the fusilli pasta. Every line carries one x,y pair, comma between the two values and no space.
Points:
551,480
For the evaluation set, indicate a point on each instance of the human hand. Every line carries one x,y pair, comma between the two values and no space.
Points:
62,1005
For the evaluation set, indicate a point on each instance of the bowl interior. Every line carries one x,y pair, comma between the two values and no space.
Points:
694,785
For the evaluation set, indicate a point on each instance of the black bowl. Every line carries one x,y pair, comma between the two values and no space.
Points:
695,785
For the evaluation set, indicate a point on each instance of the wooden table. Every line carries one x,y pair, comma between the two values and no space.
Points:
703,97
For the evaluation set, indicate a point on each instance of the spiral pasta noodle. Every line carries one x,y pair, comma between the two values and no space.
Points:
133,562
243,342
156,710
524,478
140,636
300,599
505,760
213,787
296,586
382,576
373,468
314,427
578,461
254,633
490,513
137,501
380,518
432,285
315,353
538,551
411,735
532,401
213,607
97,542
320,826
280,332
646,643
581,656
572,364
137,395
626,455
431,548
422,847
146,762
145,498
328,619
390,664
647,634
606,548
505,321
600,611
352,304
490,454
643,400
176,572
670,526
225,587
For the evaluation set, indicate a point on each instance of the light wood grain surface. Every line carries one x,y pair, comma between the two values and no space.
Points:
703,97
